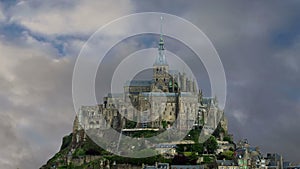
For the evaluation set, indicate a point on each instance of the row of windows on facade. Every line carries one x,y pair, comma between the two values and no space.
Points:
164,79
160,69
126,111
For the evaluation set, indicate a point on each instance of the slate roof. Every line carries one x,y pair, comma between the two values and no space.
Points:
138,83
161,94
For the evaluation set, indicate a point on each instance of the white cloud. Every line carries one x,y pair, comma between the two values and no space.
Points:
56,17
35,90
36,102
12,146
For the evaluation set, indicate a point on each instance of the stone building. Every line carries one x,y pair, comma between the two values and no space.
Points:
169,99
227,164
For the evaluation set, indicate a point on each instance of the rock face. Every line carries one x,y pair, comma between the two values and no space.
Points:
85,154
79,151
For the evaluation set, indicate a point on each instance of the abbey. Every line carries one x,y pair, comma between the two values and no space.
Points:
169,99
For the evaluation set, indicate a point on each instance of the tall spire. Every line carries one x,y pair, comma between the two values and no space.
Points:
161,40
161,59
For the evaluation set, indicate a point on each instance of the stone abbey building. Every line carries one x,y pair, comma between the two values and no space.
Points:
169,99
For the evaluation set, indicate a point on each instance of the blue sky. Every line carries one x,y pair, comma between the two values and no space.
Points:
258,43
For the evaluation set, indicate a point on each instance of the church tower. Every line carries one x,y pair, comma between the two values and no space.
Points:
161,75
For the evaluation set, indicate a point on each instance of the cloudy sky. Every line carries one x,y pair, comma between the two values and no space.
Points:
258,43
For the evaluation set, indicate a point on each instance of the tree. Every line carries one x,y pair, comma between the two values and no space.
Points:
211,145
180,159
197,147
218,131
228,155
228,138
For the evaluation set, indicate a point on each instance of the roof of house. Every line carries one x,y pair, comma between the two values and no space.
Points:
149,167
226,163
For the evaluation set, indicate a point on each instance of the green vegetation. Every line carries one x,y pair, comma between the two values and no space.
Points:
197,147
130,124
119,160
190,159
187,153
79,152
228,155
218,131
71,166
136,161
66,141
211,145
65,147
164,124
89,148
208,159
202,121
228,138
145,134
194,135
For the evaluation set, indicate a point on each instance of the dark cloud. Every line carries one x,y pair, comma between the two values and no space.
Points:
258,45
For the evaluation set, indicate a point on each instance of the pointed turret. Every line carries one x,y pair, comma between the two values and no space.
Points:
161,75
161,58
